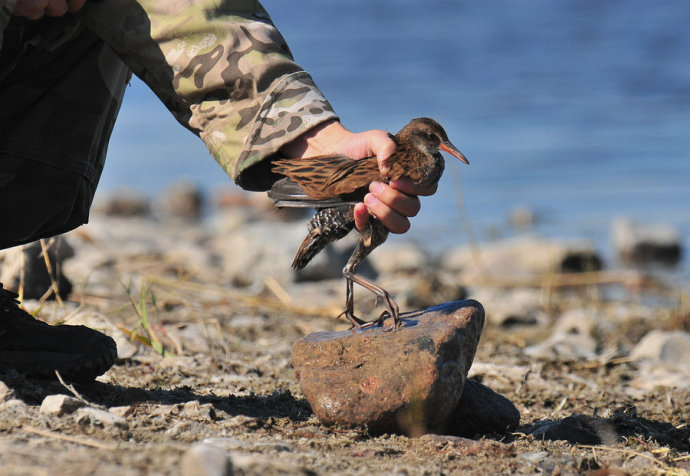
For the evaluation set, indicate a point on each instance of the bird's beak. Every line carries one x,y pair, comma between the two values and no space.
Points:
452,150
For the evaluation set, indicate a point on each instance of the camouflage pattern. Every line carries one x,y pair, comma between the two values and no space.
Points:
221,68
224,71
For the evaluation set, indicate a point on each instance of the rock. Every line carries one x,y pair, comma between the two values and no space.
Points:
13,409
204,459
100,418
481,411
670,348
37,279
404,257
259,249
570,341
576,429
122,203
409,380
182,200
191,335
638,243
521,306
662,360
59,405
525,255
6,393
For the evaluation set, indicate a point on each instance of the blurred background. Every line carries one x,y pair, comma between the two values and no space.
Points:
574,112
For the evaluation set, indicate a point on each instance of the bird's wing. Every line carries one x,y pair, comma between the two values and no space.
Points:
352,176
329,176
286,193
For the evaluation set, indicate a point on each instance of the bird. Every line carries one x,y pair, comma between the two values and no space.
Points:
333,184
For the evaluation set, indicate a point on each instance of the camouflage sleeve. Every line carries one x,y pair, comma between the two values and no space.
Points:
223,70
6,9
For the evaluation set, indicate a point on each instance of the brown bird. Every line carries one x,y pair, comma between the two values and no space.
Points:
334,184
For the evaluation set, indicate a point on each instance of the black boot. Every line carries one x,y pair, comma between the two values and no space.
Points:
38,349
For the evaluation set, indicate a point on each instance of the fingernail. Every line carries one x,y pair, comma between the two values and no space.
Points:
370,200
375,187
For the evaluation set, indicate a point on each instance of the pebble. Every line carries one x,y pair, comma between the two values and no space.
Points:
180,201
204,459
59,405
14,408
394,258
406,381
6,393
525,255
100,418
669,348
522,306
571,339
122,203
643,243
576,429
662,360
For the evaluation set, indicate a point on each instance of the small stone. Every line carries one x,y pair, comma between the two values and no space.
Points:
518,307
409,380
14,408
399,258
522,256
641,243
577,429
481,411
570,341
671,348
100,418
123,203
204,459
6,393
181,200
59,405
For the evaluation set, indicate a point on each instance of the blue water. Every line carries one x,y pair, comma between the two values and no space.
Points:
579,110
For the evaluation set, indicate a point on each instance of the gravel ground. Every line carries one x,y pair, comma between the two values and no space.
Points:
226,380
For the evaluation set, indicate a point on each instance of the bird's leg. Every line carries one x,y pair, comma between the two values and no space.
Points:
391,307
349,311
372,237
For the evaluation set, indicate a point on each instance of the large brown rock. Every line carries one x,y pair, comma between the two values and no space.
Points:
406,381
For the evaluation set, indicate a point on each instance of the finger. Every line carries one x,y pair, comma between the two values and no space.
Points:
391,219
361,217
406,205
56,8
405,185
383,147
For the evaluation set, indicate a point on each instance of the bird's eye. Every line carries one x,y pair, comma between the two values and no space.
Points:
429,136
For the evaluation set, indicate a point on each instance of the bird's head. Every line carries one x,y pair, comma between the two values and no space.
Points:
428,135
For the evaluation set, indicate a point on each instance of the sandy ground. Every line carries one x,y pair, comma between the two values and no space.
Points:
228,381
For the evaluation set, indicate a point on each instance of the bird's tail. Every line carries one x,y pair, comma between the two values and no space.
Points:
326,226
310,247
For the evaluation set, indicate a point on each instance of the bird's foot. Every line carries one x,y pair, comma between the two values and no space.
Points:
355,321
397,322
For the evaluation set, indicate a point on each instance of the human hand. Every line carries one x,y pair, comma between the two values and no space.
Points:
392,203
35,9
